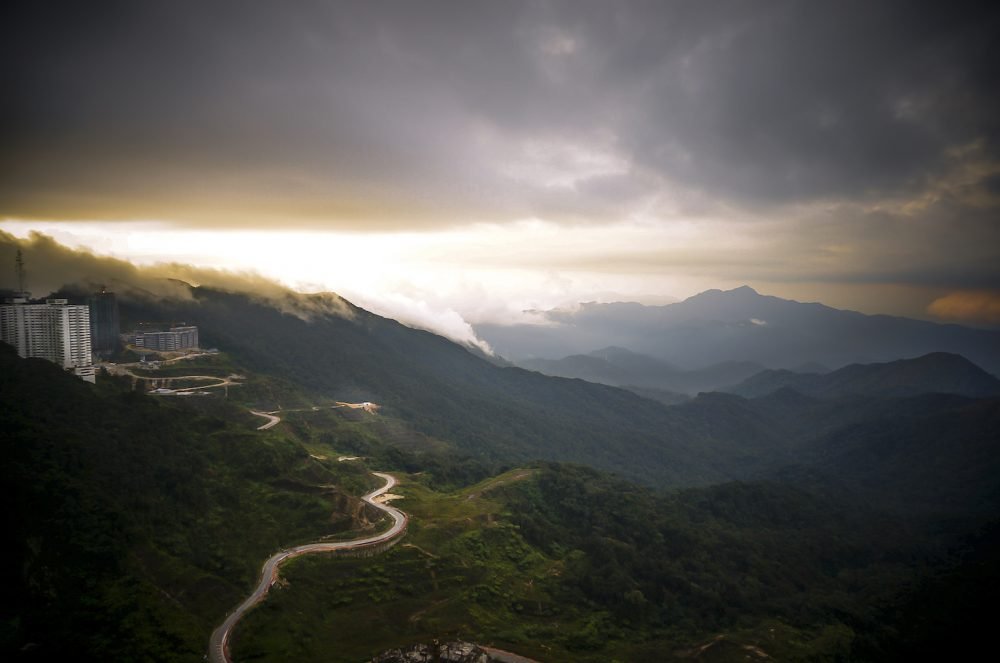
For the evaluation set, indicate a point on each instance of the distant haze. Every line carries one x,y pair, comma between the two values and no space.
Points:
453,164
717,327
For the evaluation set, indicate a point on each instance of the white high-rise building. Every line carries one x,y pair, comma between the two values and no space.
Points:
55,330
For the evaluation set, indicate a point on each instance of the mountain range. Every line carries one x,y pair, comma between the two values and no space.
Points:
848,480
739,325
506,415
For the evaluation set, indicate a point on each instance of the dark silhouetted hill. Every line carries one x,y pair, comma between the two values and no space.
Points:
938,372
930,455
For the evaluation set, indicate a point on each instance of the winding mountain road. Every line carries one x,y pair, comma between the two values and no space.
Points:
221,381
218,651
272,420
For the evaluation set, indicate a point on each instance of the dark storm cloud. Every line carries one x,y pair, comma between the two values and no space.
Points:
778,101
392,115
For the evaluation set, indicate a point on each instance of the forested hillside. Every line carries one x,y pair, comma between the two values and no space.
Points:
498,415
567,563
735,555
503,415
141,521
132,524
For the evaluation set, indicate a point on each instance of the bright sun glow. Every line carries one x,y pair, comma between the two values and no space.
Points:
476,271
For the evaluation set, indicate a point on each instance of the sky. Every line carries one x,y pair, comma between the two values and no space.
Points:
449,163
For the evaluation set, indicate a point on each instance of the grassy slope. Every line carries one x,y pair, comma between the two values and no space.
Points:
463,571
560,563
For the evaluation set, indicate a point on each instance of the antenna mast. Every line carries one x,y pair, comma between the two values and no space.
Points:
19,269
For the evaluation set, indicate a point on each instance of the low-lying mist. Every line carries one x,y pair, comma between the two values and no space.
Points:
51,266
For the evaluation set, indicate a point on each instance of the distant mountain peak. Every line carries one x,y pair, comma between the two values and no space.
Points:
741,296
612,350
942,358
715,292
742,324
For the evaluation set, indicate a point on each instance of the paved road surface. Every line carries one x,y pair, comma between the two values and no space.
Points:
218,645
272,420
222,382
506,656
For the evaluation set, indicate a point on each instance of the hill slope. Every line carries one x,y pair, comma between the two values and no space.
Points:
136,524
497,414
504,415
564,563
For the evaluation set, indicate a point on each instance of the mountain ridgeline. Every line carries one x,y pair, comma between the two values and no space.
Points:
742,325
504,415
938,372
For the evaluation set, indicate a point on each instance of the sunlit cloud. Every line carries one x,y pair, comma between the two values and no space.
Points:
454,165
968,307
